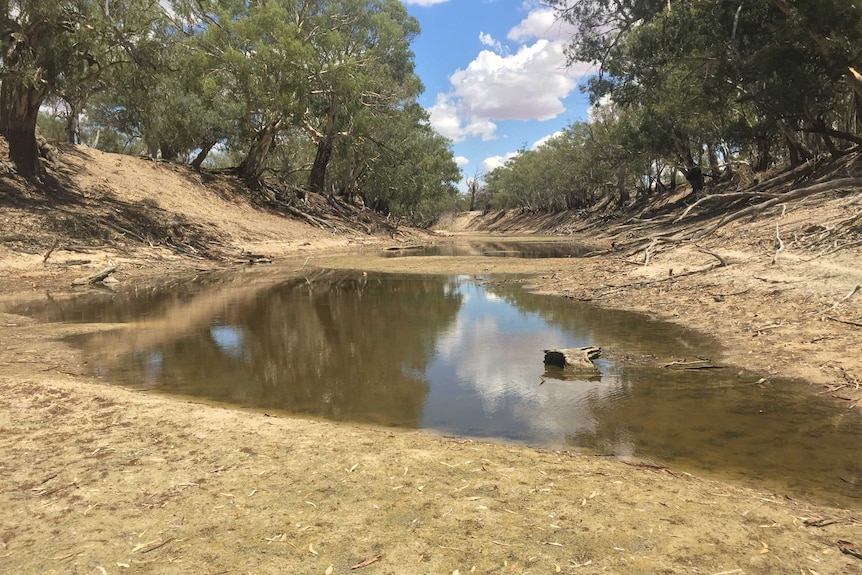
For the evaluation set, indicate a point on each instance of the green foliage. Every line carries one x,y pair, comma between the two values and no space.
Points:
585,162
61,48
695,87
413,173
51,127
317,92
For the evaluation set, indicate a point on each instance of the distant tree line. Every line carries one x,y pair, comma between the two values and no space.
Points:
316,93
692,90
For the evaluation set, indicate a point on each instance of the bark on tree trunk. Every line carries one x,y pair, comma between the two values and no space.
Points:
206,147
253,165
19,108
317,178
72,123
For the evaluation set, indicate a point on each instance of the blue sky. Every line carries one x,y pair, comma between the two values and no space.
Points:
495,76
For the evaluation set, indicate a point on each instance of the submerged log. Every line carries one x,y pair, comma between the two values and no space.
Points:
577,358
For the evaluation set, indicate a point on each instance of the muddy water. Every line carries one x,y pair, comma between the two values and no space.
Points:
501,249
464,357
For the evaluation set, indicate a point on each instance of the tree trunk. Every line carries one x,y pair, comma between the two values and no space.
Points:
19,109
714,167
168,152
691,169
728,161
253,165
206,147
694,176
73,123
573,358
798,152
623,196
659,173
317,178
763,158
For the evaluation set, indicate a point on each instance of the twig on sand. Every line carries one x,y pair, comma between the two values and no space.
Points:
366,563
850,294
844,321
779,245
53,247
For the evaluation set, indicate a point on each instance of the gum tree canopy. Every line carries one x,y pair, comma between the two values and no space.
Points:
314,93
47,46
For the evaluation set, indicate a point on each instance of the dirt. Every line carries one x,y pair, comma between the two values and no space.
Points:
96,478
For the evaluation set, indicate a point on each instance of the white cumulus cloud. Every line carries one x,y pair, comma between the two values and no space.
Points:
542,23
493,162
449,122
489,41
461,161
527,85
542,141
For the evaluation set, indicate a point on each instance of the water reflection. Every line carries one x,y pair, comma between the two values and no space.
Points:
343,347
507,249
463,357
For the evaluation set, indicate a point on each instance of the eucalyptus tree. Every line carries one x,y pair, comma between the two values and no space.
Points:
255,54
62,47
309,64
361,65
178,109
709,72
406,169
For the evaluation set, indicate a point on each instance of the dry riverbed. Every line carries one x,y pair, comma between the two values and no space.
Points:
95,478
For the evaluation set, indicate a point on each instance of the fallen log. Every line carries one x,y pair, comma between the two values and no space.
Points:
577,358
95,278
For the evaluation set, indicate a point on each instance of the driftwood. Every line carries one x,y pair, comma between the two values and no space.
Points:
251,259
841,183
753,192
694,364
578,358
95,278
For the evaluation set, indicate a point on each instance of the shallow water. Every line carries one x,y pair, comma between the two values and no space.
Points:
507,249
464,357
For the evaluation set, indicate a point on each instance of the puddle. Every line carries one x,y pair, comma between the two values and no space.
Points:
508,249
463,357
